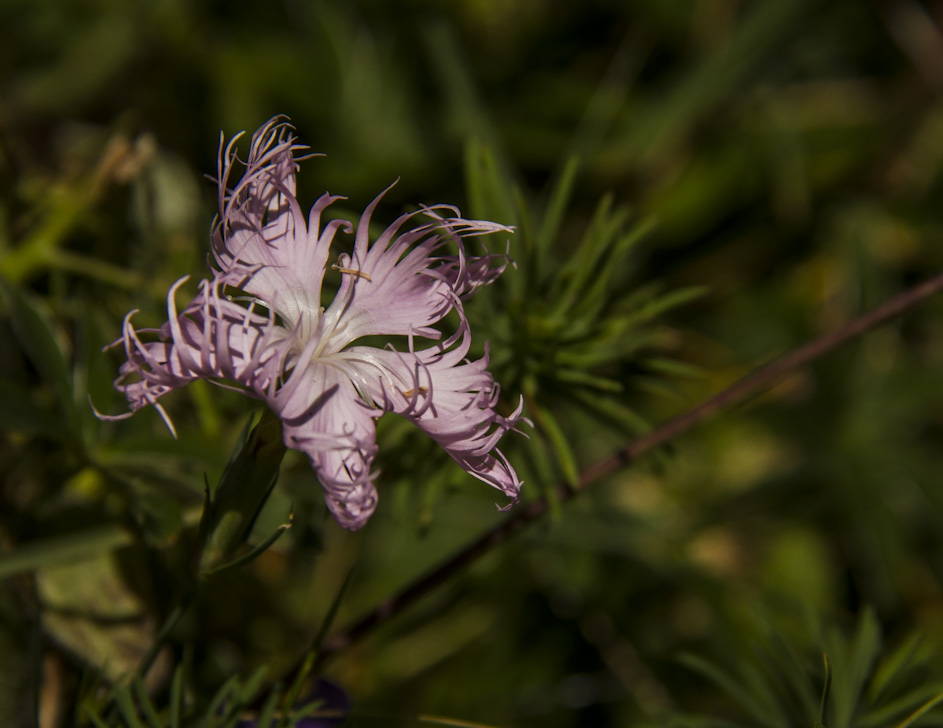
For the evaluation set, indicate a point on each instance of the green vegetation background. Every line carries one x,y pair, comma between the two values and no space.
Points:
785,155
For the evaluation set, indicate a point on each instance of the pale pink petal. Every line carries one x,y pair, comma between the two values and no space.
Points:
397,286
212,339
450,399
325,418
261,241
258,325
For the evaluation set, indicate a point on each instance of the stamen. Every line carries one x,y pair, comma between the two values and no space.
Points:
351,271
411,392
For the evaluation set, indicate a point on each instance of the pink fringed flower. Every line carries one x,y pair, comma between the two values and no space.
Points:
285,348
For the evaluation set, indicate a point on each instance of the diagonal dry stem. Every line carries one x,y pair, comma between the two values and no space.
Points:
754,383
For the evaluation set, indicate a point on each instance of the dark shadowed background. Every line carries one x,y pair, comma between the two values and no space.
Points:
767,170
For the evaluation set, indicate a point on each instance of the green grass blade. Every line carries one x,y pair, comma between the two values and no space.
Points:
219,699
251,556
242,492
921,711
93,715
175,707
144,701
560,446
125,704
763,713
267,714
557,204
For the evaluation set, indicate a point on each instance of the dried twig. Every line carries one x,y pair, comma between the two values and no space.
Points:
754,383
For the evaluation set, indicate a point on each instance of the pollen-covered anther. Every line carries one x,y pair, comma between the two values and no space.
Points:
411,392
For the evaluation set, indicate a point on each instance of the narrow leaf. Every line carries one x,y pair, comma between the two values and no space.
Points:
176,697
921,711
825,689
892,669
216,705
579,377
144,701
251,556
561,447
95,717
609,409
665,303
487,188
126,706
314,652
556,206
760,712
267,714
242,492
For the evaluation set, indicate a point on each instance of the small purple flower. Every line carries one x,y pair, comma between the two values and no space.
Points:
276,341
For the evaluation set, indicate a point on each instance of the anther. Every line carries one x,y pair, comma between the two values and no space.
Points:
351,271
411,392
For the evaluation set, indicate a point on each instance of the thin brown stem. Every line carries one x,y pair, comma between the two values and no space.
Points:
754,383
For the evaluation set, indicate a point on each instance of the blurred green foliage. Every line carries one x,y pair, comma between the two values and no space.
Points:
781,158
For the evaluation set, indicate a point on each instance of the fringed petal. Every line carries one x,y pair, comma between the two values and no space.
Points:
397,286
261,241
450,399
284,348
213,339
326,419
